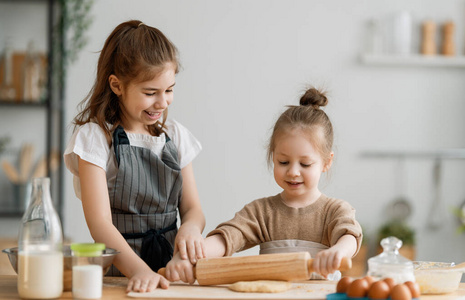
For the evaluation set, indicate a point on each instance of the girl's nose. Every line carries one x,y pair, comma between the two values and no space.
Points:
162,101
293,170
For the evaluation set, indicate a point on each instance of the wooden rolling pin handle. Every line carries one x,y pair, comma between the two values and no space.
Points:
346,264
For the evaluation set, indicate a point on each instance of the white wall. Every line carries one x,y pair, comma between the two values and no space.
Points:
243,61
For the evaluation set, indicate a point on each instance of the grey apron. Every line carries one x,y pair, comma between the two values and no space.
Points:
145,198
290,246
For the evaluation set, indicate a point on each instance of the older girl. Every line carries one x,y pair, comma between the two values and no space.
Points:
132,166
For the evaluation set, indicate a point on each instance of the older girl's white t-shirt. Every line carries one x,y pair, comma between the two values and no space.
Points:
90,144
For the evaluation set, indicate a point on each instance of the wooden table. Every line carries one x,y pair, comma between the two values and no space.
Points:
115,288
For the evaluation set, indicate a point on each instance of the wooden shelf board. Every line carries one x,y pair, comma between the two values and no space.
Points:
413,60
458,153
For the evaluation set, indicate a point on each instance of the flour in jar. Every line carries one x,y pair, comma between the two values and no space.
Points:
87,282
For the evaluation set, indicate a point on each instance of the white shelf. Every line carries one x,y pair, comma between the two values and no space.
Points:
414,60
458,153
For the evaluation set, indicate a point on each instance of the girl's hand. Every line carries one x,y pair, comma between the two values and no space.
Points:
146,281
327,261
189,243
180,269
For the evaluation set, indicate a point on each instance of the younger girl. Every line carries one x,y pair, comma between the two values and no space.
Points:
132,167
300,218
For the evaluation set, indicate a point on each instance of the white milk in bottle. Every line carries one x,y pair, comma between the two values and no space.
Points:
40,255
39,273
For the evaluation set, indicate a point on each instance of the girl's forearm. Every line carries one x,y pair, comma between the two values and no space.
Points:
194,218
347,244
127,262
215,246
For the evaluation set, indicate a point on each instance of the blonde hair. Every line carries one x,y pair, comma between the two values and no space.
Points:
131,52
309,117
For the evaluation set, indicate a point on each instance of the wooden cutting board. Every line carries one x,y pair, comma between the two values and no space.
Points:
299,290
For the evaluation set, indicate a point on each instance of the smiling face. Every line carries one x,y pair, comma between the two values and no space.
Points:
143,103
298,167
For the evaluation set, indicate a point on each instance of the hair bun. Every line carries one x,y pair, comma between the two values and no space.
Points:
314,97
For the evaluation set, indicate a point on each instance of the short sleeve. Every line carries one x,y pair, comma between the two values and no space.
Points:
88,142
187,145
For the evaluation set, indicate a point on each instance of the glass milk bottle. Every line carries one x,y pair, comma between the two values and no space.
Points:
87,270
40,256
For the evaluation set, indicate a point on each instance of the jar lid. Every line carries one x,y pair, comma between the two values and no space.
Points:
87,249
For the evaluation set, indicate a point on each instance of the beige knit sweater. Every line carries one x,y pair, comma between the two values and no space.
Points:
269,219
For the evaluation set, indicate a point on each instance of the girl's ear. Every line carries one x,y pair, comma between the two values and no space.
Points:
329,162
115,85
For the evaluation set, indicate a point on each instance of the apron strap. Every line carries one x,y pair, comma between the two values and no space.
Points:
119,138
156,251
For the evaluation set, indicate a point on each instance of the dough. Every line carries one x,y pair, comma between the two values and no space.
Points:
260,286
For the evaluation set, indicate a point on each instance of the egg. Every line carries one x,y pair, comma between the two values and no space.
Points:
414,288
343,284
390,282
369,279
358,288
401,292
379,290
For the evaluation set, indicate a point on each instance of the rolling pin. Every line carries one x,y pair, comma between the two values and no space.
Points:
280,266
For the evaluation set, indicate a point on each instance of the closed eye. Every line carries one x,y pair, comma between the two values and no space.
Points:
305,165
283,162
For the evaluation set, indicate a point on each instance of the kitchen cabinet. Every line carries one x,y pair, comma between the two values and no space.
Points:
39,122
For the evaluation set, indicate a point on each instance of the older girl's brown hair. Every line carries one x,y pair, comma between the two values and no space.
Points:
311,119
133,51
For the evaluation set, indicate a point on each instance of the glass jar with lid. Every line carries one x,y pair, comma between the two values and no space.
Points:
390,263
87,270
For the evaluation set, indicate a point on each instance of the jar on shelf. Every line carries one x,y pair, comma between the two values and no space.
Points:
390,264
375,40
7,89
33,76
40,243
87,270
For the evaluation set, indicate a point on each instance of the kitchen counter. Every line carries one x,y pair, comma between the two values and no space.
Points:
114,288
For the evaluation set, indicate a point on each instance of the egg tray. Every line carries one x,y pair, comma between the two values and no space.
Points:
343,296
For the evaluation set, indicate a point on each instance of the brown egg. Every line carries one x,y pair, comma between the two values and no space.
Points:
343,284
369,279
414,288
379,290
390,282
401,292
358,288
